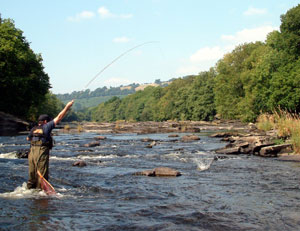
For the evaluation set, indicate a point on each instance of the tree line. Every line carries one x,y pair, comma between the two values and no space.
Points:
252,79
101,91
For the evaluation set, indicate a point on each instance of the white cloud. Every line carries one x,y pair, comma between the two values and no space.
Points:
206,57
121,40
105,13
249,35
114,82
82,15
206,53
254,11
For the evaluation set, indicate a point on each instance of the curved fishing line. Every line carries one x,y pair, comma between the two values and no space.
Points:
124,53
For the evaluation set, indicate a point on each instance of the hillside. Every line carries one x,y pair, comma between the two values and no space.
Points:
87,98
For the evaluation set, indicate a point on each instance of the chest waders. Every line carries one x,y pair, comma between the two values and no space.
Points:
38,160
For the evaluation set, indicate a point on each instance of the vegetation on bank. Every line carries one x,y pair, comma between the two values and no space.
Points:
254,78
285,123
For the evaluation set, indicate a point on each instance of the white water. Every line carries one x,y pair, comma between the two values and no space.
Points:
203,163
9,155
23,192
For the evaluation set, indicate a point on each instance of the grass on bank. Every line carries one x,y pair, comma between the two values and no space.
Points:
287,125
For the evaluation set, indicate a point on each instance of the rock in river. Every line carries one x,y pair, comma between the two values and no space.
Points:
79,163
92,144
190,138
160,171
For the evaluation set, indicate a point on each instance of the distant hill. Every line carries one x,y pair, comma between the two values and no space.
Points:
88,98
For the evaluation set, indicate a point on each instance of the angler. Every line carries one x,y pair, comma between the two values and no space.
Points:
41,144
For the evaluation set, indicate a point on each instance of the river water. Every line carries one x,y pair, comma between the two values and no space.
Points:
233,193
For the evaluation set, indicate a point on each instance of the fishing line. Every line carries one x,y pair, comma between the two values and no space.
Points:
124,53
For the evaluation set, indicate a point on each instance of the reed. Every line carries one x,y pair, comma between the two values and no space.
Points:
265,122
295,138
286,123
79,128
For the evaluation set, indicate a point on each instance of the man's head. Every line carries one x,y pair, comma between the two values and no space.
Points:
44,118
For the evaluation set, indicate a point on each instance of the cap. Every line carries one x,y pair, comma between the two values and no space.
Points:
44,117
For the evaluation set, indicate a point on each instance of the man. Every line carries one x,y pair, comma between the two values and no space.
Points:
41,143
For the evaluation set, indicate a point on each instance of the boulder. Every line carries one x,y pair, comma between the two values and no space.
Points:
273,151
11,125
190,138
224,134
165,171
160,172
173,135
79,163
92,144
232,150
145,173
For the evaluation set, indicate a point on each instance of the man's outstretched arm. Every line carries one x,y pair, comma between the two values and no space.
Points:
62,114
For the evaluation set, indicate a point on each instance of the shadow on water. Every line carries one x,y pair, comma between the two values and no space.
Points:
228,193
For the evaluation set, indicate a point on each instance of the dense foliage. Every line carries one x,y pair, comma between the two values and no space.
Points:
262,77
23,82
191,98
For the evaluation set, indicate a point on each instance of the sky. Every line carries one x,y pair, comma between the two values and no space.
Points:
79,38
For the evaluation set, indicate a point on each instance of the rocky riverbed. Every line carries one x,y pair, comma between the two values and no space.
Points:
242,138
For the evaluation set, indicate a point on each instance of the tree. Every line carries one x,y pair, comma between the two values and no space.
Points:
23,82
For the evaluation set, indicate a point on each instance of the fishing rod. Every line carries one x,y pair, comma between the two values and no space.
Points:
124,53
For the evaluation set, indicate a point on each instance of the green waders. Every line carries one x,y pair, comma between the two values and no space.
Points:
38,159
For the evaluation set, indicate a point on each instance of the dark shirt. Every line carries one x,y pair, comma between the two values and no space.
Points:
47,128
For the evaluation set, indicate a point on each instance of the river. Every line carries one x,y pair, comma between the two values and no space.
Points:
214,192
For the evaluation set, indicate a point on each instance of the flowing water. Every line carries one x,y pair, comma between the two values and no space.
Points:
231,193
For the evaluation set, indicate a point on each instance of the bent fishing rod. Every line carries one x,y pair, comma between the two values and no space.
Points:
124,53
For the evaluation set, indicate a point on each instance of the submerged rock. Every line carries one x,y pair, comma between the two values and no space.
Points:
100,138
79,163
92,144
151,145
147,140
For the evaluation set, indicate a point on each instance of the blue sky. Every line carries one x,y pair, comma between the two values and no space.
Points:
79,38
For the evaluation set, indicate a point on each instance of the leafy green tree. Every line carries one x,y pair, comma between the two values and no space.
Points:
23,82
233,80
201,98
